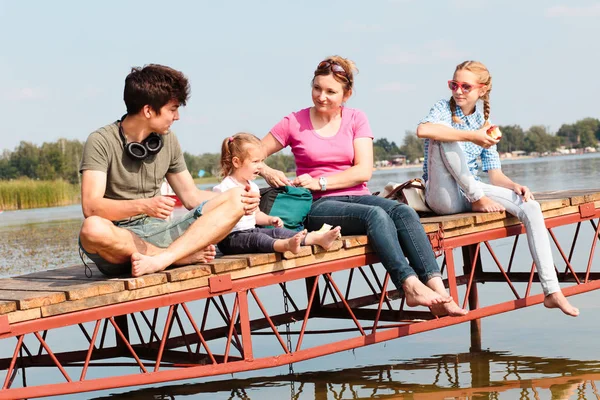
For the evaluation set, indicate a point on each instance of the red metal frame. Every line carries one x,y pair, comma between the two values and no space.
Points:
169,355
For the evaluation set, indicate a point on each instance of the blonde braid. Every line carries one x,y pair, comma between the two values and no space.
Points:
486,109
455,117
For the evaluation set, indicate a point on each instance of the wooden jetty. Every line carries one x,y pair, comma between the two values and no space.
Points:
250,312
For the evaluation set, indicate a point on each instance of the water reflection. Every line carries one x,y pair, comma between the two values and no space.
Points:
482,375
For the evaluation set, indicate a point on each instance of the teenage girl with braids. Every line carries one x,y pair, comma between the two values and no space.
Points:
455,137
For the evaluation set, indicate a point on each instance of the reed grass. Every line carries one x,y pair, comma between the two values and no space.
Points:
27,193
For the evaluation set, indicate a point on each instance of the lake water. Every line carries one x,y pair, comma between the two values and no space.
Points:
529,354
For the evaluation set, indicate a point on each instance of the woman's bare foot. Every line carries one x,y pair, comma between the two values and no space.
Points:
292,244
142,264
205,255
417,294
323,239
450,308
485,204
558,300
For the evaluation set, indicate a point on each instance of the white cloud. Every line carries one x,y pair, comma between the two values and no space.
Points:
26,93
353,26
397,87
429,53
574,11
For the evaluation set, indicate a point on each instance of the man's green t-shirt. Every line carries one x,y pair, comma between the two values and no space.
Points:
128,179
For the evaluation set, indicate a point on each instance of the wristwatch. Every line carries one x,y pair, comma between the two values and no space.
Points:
323,183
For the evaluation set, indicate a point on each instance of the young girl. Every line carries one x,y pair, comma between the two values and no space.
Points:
455,136
242,156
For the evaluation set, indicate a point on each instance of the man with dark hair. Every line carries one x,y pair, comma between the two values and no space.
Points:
123,166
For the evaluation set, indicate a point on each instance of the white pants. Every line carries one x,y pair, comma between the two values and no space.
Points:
451,188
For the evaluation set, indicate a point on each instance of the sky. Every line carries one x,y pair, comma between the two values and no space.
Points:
250,63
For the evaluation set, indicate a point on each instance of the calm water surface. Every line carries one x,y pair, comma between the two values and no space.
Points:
529,354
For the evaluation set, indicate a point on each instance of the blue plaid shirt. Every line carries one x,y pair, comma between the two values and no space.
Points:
440,114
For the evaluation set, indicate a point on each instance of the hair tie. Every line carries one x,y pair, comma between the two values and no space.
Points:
230,139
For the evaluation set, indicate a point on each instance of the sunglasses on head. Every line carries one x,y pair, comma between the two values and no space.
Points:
465,87
335,68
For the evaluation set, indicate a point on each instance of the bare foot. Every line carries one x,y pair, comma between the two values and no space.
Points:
323,239
558,300
451,308
292,244
485,204
205,255
142,264
417,294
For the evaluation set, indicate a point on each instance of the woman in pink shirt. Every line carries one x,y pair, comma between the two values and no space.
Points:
333,148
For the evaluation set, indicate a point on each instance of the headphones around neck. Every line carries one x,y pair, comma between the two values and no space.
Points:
140,151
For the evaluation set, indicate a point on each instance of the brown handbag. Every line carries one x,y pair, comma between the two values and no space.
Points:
411,193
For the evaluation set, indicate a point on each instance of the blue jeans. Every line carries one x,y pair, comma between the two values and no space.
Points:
256,240
393,229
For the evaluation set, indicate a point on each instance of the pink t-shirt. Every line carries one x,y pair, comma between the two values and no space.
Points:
324,156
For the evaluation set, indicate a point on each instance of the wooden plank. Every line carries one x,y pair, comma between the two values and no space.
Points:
7,306
488,217
304,252
336,245
132,283
354,241
585,198
302,261
74,289
25,315
222,265
98,301
121,297
451,221
187,272
430,228
26,300
256,258
552,204
74,272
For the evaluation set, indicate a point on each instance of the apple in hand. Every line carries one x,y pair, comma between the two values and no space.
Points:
494,132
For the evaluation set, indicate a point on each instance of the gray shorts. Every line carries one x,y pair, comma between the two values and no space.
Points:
155,231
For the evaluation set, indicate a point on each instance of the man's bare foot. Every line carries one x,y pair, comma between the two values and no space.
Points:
485,204
451,308
558,300
142,264
417,294
292,244
323,239
205,255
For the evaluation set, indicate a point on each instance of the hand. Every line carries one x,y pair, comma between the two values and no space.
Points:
308,182
481,138
277,222
523,191
250,200
160,207
274,177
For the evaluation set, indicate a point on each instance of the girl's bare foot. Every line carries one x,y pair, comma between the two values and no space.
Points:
205,255
558,300
292,244
323,239
142,264
417,294
485,204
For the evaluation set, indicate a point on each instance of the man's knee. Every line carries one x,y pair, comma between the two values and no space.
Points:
95,230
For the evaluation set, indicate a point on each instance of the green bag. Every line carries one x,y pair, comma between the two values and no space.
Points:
289,203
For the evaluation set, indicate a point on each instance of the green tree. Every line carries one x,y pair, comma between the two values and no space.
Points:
513,138
412,147
537,139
